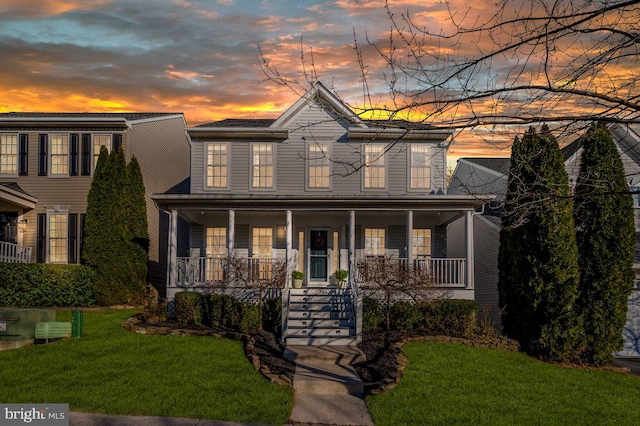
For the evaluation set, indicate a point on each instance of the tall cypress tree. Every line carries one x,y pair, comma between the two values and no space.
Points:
138,230
606,238
538,265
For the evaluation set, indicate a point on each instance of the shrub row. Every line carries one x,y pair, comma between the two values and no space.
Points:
27,285
451,317
219,310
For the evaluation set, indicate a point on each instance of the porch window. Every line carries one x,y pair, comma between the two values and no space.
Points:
98,142
262,165
59,155
216,251
374,241
374,169
420,167
217,160
421,243
57,238
8,154
319,167
262,253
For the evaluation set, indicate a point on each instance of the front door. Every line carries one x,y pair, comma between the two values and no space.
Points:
318,255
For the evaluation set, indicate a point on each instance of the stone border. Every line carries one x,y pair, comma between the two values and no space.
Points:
135,325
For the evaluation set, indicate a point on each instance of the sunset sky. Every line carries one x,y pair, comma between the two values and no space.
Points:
196,57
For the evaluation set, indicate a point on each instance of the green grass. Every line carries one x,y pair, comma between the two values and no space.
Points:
447,384
118,372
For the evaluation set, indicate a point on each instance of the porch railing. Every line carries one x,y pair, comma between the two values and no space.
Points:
211,271
443,272
14,253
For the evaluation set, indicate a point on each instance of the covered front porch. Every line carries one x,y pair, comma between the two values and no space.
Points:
14,203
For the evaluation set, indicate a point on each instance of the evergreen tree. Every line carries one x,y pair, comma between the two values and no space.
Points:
606,238
538,266
138,230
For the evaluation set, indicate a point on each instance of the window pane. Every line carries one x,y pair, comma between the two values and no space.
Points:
262,161
374,241
58,238
420,167
374,170
216,250
9,154
262,249
59,154
98,142
217,165
318,166
421,242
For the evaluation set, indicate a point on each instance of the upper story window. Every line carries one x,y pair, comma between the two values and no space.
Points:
262,165
375,168
8,154
59,155
217,160
319,166
420,167
98,142
374,241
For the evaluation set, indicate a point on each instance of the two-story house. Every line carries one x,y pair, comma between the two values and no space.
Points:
46,166
320,189
481,176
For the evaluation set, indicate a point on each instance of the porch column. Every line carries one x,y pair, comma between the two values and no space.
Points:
409,249
173,249
289,237
231,232
468,223
352,244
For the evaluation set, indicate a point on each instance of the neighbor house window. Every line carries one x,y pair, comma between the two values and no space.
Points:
59,155
260,265
98,142
420,167
262,165
217,160
216,246
57,238
319,166
374,241
8,154
421,243
374,169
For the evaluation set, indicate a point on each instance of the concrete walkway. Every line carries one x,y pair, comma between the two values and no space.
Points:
328,390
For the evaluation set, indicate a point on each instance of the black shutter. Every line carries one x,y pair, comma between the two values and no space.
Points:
117,141
72,238
23,155
86,155
81,235
41,240
73,155
42,155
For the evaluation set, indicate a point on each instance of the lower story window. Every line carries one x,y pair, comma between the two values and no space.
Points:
58,237
421,243
216,253
374,241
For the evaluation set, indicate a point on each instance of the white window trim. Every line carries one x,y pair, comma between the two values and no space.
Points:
13,175
93,154
49,211
365,167
327,153
50,153
206,165
273,186
409,158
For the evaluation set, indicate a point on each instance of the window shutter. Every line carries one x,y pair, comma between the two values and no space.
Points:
117,142
81,236
72,239
42,155
41,239
86,155
23,155
73,155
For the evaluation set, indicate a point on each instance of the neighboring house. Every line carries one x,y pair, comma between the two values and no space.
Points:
46,166
319,189
489,176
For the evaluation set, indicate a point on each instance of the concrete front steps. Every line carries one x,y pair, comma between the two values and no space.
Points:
320,316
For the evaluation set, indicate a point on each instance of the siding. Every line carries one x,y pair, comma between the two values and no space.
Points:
471,180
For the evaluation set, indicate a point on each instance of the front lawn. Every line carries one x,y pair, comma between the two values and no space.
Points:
448,384
117,372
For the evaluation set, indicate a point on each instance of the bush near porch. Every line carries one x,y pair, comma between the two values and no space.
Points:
27,285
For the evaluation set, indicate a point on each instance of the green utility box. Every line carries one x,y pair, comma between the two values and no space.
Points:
77,324
20,324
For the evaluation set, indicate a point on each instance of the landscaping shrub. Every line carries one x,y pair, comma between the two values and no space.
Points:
370,313
188,305
213,312
405,315
249,316
272,315
451,317
29,285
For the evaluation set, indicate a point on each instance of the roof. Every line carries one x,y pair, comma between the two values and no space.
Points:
129,116
399,124
572,148
12,193
497,164
15,187
241,122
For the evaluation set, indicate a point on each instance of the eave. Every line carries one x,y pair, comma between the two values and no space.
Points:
262,133
386,134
